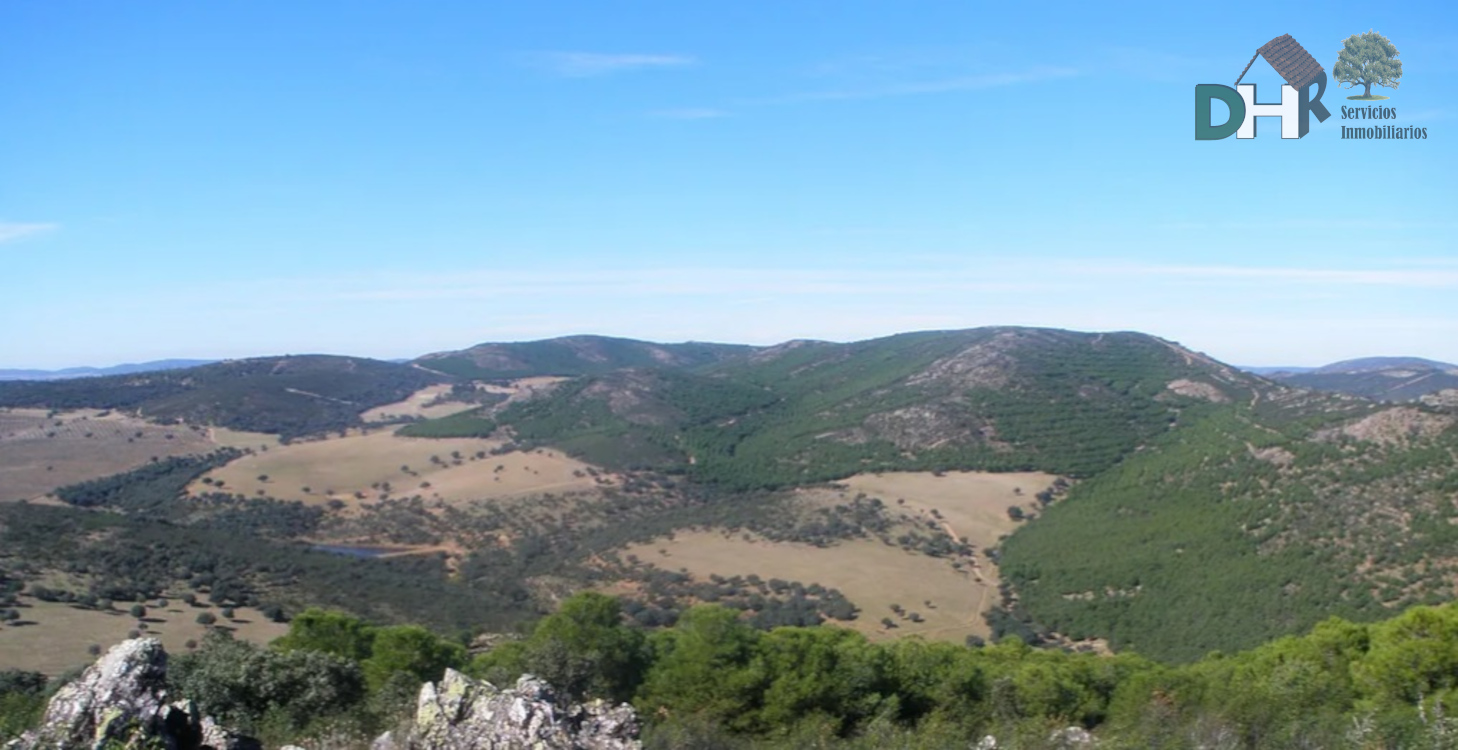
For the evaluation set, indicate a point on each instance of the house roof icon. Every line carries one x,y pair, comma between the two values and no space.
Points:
1289,59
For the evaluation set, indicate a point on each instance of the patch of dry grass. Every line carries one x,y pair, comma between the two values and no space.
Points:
974,504
421,404
56,636
872,575
39,453
340,467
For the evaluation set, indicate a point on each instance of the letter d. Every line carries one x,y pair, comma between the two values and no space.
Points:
1204,92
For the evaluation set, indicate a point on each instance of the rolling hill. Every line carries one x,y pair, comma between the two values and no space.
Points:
290,396
992,398
1378,378
1212,509
574,355
91,372
1209,508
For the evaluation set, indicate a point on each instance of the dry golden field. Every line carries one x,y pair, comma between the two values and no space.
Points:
343,468
39,453
870,574
973,504
419,404
873,575
56,635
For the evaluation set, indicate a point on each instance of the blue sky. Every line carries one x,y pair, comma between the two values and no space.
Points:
182,179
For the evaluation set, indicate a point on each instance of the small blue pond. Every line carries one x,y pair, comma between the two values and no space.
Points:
349,551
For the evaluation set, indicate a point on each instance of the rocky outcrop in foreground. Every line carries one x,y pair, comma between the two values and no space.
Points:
121,701
460,713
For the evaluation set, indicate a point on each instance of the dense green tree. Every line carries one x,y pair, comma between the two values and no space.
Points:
330,632
702,667
1367,59
585,649
412,650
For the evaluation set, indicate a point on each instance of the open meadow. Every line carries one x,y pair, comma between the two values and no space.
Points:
973,504
53,637
872,575
42,450
376,464
425,403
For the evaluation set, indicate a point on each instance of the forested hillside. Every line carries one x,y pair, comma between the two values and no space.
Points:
1206,508
575,355
992,398
1213,509
288,396
1248,524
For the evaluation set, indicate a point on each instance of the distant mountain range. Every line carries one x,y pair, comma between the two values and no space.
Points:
290,396
91,372
1378,378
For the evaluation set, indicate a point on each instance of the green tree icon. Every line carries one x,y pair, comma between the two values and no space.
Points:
1366,59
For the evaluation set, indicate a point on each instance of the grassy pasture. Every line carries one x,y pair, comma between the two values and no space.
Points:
974,504
419,404
340,467
872,575
39,452
973,507
56,635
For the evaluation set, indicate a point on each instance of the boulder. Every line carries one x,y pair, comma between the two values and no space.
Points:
121,702
460,713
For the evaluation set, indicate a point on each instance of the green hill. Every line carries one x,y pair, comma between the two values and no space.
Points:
291,396
1378,378
1252,523
989,398
574,355
1210,508
1214,509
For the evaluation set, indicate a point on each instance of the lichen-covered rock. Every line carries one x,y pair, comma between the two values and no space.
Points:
1071,738
460,713
121,701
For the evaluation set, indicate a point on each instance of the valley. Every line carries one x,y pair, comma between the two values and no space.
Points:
1090,491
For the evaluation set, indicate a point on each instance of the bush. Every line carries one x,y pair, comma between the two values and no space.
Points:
411,650
22,701
239,683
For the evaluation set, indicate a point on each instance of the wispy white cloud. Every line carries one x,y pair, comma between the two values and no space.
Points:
650,282
1239,312
13,230
933,279
690,113
1437,277
1383,225
1164,67
941,85
588,64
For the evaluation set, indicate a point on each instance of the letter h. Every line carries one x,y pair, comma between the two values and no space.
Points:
1289,110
